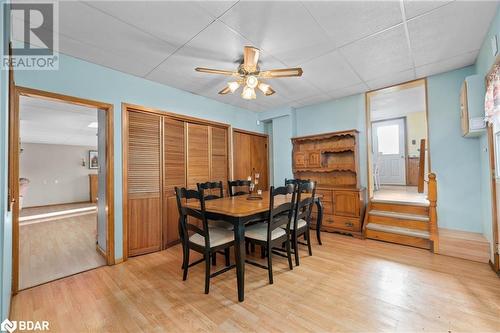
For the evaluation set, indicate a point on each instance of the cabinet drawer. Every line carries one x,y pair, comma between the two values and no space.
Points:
346,223
326,195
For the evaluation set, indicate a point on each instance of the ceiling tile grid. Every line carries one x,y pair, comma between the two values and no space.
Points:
344,47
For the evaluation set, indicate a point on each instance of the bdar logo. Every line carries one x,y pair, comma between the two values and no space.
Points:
9,326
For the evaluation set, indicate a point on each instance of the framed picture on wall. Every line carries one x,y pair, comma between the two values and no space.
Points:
93,159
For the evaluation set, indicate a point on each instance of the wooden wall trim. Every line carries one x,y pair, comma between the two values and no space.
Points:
172,115
239,130
14,147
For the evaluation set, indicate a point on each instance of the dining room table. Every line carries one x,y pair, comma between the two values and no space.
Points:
239,211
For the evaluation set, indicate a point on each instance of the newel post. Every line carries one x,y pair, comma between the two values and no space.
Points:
432,197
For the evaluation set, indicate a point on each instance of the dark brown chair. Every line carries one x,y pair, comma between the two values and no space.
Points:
200,237
296,182
209,187
301,222
270,234
231,184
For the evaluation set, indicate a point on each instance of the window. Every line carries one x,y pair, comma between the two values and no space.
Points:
388,139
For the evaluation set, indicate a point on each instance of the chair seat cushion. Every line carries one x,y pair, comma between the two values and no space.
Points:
259,232
218,236
300,223
220,224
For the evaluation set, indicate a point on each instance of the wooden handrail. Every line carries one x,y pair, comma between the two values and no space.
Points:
432,197
421,167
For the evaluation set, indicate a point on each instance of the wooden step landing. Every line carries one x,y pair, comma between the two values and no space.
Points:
462,244
399,235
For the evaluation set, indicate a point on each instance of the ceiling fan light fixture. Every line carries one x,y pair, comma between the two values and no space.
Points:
233,86
266,89
252,82
248,93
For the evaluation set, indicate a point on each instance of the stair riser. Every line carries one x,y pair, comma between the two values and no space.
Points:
408,209
399,239
404,223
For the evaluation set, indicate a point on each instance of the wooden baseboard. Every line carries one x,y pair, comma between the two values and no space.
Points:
119,261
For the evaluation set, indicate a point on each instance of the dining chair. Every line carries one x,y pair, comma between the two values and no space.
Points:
270,234
301,222
231,184
201,237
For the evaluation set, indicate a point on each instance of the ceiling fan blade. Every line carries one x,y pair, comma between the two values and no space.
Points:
277,73
216,71
225,91
269,91
250,58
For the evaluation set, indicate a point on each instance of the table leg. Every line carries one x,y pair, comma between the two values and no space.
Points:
239,250
319,220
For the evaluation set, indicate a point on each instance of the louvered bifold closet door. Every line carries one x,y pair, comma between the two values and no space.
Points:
144,183
218,155
174,175
198,154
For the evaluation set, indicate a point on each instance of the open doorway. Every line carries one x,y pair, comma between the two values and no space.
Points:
398,142
62,179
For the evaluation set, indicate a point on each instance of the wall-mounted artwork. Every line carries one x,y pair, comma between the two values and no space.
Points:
93,159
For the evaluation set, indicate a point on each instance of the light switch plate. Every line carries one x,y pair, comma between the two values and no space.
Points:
494,45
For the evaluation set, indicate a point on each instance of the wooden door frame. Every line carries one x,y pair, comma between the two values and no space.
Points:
495,264
393,88
126,107
14,144
263,135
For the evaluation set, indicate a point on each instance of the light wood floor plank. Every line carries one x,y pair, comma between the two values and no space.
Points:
347,285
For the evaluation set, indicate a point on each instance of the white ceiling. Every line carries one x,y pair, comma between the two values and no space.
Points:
398,103
51,122
344,47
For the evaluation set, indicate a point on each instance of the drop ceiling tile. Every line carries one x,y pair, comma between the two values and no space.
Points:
348,91
175,22
86,25
347,21
284,29
380,54
392,79
447,65
330,72
418,7
293,88
450,30
215,8
310,100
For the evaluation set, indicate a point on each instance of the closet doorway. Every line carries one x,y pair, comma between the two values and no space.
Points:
61,185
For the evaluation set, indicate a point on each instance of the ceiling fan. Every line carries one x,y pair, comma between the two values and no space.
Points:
250,76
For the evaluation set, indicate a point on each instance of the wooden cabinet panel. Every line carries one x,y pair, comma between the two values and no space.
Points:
259,156
299,160
144,183
250,152
198,170
346,203
219,152
174,175
242,164
314,160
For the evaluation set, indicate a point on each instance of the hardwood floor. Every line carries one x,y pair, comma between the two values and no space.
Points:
53,249
347,285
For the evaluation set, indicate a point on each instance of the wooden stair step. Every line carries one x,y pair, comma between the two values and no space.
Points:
399,207
398,235
400,216
400,202
398,230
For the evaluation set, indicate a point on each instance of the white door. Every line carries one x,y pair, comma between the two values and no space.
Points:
389,151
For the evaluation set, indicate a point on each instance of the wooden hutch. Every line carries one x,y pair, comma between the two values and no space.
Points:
331,159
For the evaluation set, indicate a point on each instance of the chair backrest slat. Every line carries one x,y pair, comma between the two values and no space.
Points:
231,184
283,213
207,187
183,195
303,207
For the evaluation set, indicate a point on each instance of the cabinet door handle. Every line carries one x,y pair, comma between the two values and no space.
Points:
349,224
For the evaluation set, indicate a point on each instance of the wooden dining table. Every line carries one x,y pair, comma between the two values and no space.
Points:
239,210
